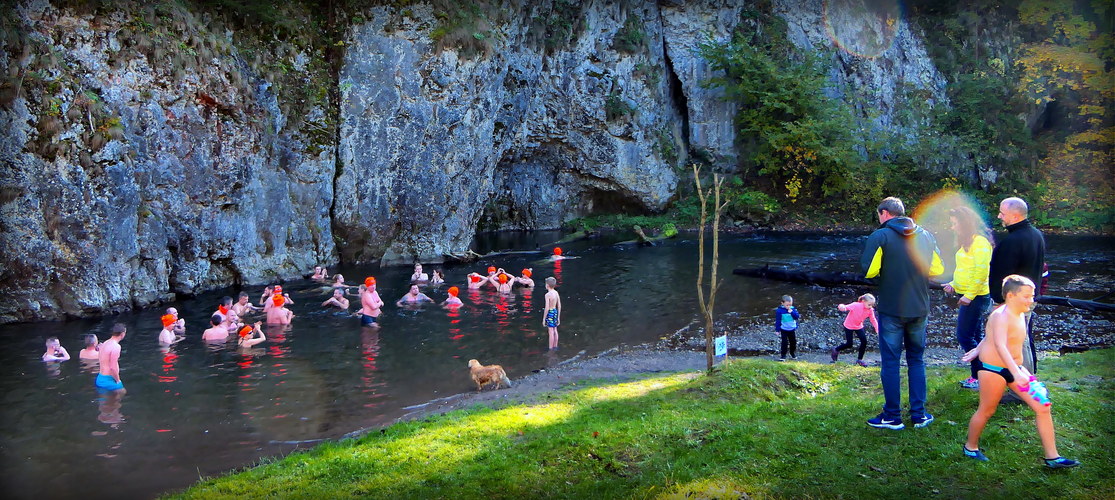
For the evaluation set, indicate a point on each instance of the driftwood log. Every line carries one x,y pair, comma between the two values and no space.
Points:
828,279
471,256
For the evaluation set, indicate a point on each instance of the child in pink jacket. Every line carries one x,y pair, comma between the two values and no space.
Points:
858,311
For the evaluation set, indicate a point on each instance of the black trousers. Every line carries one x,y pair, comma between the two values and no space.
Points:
789,339
848,341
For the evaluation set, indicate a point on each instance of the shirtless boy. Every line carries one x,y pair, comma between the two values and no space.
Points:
1000,356
278,314
55,351
413,297
337,300
320,273
108,375
370,303
166,335
551,318
216,332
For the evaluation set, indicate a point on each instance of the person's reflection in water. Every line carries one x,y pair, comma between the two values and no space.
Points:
109,405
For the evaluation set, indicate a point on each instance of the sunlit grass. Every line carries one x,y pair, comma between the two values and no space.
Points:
756,427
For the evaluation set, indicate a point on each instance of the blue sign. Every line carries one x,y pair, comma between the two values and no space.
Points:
721,345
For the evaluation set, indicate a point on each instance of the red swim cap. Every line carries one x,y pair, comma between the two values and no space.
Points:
223,309
453,291
369,281
245,330
526,272
503,278
278,289
278,300
168,319
474,278
557,250
491,269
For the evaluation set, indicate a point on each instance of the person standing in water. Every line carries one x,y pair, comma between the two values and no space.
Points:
89,353
55,351
370,303
108,376
551,318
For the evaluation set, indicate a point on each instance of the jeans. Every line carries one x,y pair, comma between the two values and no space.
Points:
896,333
968,326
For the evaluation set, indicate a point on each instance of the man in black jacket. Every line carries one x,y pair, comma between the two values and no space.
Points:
903,256
1021,251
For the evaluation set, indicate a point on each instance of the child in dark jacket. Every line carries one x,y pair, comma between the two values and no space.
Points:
786,324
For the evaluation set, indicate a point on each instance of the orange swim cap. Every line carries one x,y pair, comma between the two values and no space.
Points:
223,309
526,272
278,300
369,281
453,291
245,330
557,250
503,278
491,269
168,319
278,289
474,278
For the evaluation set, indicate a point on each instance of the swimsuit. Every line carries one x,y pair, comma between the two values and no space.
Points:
108,383
552,318
367,320
998,370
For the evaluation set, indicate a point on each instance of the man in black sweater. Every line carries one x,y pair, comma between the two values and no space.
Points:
1021,251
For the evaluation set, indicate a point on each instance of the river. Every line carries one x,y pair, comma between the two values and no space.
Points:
194,411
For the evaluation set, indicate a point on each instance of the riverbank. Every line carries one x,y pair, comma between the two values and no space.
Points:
755,428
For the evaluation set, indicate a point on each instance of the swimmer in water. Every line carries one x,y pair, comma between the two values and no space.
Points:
89,353
166,335
179,323
339,281
278,314
558,256
108,375
525,278
337,300
475,280
452,301
502,282
370,304
55,351
413,297
216,332
437,277
243,307
320,273
249,336
419,276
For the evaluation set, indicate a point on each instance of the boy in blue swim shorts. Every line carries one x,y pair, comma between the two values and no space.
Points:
108,379
552,317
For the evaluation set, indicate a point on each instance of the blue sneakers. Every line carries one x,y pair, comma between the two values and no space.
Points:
1060,463
882,422
978,454
922,421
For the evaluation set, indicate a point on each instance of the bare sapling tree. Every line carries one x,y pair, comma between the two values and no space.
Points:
717,208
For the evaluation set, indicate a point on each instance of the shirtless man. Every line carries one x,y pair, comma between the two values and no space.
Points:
89,353
55,351
525,278
179,326
250,336
216,332
166,335
413,297
419,276
108,375
370,303
339,281
320,273
551,317
278,314
1000,366
243,306
337,300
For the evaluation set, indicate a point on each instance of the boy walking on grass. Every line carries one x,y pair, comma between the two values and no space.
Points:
1000,360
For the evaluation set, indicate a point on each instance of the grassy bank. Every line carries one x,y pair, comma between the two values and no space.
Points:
757,427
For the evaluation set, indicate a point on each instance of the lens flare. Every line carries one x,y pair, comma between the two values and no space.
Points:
933,215
865,28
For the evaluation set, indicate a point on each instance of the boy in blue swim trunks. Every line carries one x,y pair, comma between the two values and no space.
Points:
552,317
108,379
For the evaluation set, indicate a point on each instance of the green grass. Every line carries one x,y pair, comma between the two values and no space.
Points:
755,427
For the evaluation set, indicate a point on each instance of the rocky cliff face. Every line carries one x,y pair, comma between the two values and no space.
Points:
144,157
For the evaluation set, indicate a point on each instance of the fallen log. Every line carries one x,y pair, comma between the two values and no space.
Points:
829,279
471,256
645,240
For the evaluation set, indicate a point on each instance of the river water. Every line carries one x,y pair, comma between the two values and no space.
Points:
194,411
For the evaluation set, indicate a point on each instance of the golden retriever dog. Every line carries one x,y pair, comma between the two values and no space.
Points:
487,374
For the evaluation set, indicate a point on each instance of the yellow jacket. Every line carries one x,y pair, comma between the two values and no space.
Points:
972,268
